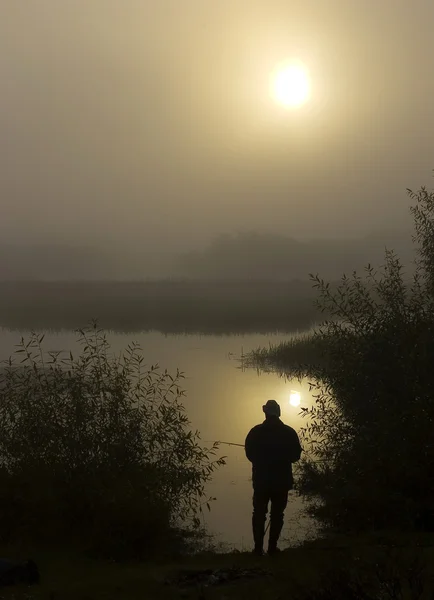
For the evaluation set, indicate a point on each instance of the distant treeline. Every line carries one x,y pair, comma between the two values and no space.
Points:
221,307
243,256
266,256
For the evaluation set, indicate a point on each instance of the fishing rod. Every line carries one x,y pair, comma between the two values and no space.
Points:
225,443
242,446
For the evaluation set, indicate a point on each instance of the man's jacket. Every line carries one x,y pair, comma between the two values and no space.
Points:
272,447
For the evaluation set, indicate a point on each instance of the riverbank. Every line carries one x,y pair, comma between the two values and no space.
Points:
334,568
208,307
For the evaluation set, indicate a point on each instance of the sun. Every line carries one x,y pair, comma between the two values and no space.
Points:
290,84
294,398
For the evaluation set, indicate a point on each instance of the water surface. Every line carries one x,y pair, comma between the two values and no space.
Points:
223,402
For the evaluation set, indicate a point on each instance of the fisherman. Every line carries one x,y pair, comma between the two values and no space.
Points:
271,447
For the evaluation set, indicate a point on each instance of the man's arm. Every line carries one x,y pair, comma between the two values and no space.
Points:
295,447
251,444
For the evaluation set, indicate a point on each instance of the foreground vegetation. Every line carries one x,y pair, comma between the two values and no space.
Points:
166,306
370,427
96,452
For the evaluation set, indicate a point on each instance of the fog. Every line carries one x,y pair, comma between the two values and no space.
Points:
147,128
246,256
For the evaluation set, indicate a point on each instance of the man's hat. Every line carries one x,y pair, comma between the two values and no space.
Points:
271,408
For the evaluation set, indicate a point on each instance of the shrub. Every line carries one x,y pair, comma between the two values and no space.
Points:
369,431
97,449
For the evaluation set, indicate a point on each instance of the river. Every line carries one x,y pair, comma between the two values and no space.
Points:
223,402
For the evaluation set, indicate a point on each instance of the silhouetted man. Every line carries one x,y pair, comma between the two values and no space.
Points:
271,447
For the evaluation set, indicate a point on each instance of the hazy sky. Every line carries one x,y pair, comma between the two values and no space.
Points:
131,120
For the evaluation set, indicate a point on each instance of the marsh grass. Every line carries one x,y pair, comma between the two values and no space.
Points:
294,358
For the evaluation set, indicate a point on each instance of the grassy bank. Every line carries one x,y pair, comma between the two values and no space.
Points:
389,567
166,306
293,358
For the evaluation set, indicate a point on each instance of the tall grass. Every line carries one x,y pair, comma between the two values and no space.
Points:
294,358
